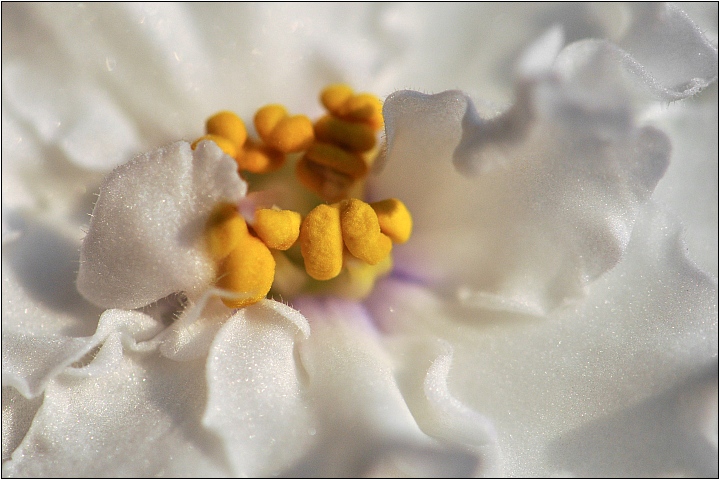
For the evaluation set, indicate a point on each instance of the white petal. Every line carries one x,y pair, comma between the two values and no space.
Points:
145,239
255,398
89,50
191,335
690,186
556,214
17,415
438,412
672,54
363,424
39,295
31,359
648,324
667,435
129,413
557,192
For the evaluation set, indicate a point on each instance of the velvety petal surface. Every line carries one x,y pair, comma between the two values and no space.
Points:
52,353
693,173
145,240
18,413
554,182
647,326
579,392
553,209
127,412
674,56
256,401
362,422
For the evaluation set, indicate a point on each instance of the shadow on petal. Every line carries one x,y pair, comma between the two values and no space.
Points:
660,437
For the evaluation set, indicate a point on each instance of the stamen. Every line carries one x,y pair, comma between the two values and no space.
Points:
278,229
337,159
341,102
356,137
334,97
329,184
223,231
344,143
282,132
395,219
358,278
361,232
227,125
321,242
330,171
348,242
258,158
245,265
249,271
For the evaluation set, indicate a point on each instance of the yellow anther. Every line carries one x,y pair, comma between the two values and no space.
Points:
365,108
225,145
361,232
224,230
248,271
341,102
347,242
278,229
282,132
337,159
267,118
321,242
334,97
227,125
330,171
257,158
329,184
395,219
356,137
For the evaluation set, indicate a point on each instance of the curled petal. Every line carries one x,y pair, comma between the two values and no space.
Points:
349,373
647,325
145,239
672,55
438,412
17,416
556,183
32,359
255,396
127,403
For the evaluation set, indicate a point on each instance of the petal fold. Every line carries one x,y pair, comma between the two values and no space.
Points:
128,413
256,400
32,359
145,238
359,408
556,180
648,324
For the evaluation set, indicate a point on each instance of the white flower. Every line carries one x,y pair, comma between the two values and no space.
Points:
550,293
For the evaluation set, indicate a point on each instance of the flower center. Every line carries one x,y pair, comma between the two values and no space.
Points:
343,244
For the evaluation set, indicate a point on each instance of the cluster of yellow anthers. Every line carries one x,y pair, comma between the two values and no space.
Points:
337,152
